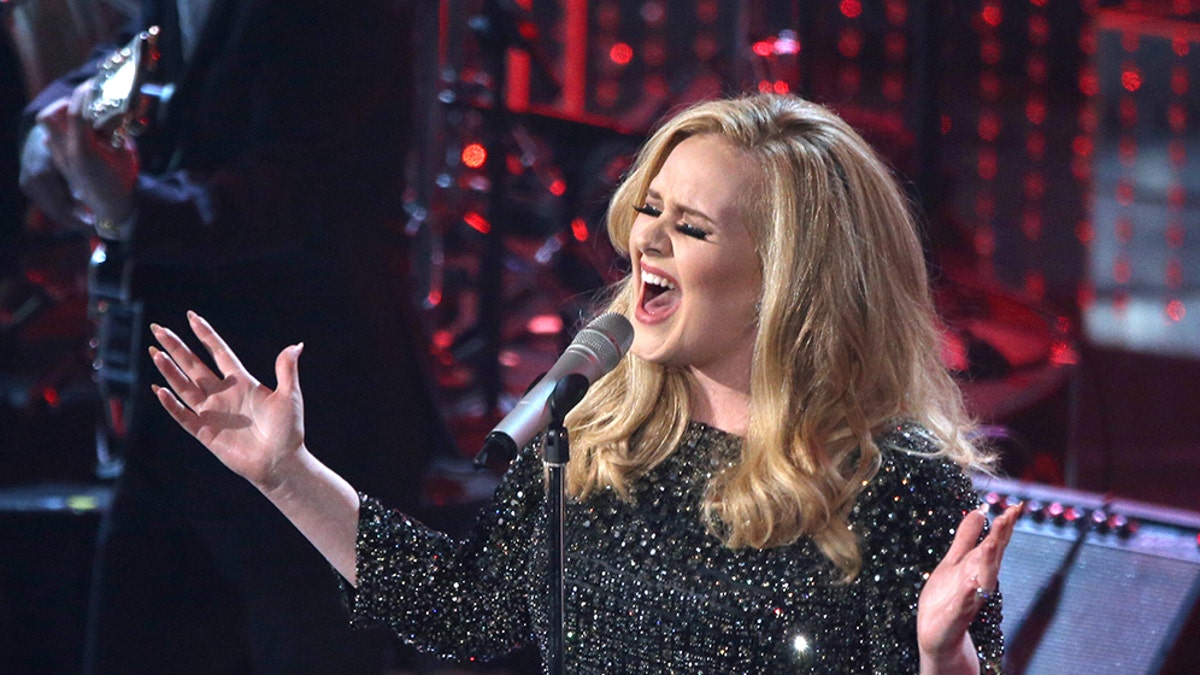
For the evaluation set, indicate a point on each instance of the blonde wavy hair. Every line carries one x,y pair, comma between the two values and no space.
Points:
847,342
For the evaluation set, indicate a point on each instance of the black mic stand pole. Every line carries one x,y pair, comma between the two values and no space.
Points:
556,453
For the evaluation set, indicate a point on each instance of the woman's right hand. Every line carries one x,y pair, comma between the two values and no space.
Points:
251,428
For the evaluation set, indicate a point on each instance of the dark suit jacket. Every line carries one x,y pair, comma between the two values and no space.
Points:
270,201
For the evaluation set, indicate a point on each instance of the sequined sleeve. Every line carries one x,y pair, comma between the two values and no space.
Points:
907,517
457,599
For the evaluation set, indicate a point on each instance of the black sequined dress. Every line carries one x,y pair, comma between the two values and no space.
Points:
650,590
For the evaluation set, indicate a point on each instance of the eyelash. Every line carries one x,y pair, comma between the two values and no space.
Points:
682,228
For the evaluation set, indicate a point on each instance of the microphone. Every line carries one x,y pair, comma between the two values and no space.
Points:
595,350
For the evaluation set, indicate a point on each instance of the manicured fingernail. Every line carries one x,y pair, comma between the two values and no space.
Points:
154,328
153,351
154,388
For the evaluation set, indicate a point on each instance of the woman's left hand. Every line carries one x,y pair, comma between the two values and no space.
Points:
957,589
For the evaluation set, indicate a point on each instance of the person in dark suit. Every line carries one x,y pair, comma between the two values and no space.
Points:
266,194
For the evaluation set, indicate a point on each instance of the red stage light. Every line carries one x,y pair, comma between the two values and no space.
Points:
1178,152
1125,192
1131,78
1124,228
474,155
1089,82
1174,274
1179,80
708,11
991,51
1084,232
893,87
545,324
1035,145
477,222
985,243
1129,41
1176,196
1031,225
579,229
1035,186
1175,235
1037,68
1122,270
1177,118
851,9
989,126
621,54
1039,30
992,15
1061,354
1035,284
1086,295
850,43
1083,146
1127,151
1176,310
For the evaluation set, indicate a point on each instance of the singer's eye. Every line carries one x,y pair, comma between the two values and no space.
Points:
648,210
691,231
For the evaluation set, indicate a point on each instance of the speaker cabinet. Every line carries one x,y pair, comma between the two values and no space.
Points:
47,533
1097,586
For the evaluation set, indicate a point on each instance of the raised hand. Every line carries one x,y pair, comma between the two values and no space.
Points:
958,587
251,428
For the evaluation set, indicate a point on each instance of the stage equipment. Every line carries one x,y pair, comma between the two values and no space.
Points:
1093,584
47,533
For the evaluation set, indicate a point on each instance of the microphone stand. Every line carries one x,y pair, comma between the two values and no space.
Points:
557,452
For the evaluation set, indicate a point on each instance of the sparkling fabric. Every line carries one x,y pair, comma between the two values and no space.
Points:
650,590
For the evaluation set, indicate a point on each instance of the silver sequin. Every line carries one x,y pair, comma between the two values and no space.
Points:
650,590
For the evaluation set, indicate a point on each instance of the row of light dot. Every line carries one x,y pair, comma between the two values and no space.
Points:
1132,80
1037,70
895,52
1127,151
1177,153
614,55
1034,184
850,43
1083,147
780,67
988,130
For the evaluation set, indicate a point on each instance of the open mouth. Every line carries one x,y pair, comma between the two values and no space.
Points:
659,293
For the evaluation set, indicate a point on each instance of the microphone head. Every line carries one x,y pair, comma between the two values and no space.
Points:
608,336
